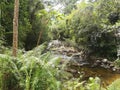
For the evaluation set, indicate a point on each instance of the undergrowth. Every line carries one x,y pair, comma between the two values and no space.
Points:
36,70
31,71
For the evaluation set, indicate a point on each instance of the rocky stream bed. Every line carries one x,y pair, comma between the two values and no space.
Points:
78,63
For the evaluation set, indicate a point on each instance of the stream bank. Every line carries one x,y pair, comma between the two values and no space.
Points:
78,62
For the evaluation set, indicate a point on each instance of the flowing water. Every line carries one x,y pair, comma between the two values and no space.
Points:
107,76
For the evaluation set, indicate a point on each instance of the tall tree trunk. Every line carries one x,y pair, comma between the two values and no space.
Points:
15,27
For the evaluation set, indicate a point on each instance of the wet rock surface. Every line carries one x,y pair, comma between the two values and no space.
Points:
104,63
66,52
78,58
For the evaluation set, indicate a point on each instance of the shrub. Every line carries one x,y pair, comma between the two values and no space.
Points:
29,72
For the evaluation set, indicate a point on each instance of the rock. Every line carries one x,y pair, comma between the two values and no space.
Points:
102,65
98,62
71,70
76,56
84,64
107,66
54,43
114,68
104,60
111,65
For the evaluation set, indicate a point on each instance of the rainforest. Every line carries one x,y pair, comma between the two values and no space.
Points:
59,44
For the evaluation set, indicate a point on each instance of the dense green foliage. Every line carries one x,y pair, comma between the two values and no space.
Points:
92,26
37,71
30,23
29,72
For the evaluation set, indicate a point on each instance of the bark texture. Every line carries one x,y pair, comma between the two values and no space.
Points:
15,27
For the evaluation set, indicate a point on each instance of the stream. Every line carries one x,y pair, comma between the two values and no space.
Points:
103,69
107,76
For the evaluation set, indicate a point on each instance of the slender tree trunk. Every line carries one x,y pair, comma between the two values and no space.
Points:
0,16
15,27
40,35
41,32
